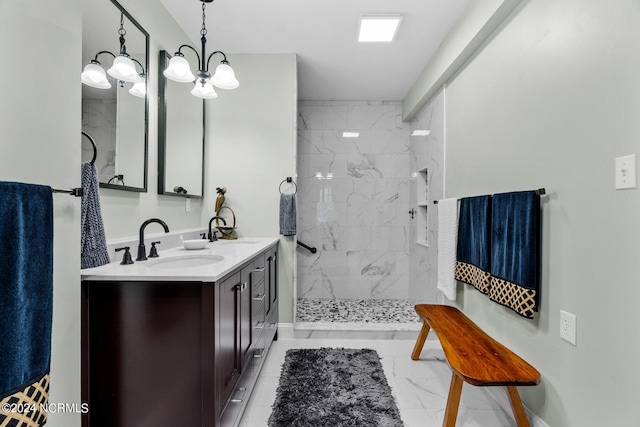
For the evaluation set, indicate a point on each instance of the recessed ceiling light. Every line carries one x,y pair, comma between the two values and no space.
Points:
378,28
421,132
350,134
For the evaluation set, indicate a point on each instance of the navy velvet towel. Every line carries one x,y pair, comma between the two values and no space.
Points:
515,251
26,284
93,243
288,214
474,242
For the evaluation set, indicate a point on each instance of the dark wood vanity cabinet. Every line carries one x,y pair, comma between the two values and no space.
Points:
159,353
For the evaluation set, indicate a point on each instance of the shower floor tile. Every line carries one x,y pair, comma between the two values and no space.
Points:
316,310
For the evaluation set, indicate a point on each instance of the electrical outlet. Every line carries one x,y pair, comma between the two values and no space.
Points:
568,327
187,205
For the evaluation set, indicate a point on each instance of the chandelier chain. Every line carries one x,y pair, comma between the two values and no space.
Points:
122,31
203,31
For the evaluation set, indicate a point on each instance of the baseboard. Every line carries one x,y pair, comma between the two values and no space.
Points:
500,395
285,331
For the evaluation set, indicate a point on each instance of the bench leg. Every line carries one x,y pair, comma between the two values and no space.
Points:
453,401
417,349
516,405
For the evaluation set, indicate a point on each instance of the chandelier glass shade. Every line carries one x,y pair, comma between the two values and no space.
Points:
95,76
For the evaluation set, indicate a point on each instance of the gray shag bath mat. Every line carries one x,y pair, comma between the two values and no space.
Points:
333,387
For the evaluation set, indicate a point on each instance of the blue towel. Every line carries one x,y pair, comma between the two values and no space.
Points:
93,243
288,214
26,291
474,243
515,251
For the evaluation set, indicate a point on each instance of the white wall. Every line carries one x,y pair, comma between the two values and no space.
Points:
479,21
250,149
40,143
549,102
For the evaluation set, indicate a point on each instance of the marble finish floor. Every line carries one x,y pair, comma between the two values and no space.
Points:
419,387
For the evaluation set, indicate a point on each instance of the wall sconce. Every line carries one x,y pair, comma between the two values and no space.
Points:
179,71
123,69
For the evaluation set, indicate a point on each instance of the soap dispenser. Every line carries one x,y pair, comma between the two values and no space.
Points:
126,258
153,252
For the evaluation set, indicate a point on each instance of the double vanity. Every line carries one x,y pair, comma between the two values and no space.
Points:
178,340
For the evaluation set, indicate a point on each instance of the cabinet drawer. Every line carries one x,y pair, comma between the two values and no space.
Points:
258,319
259,267
257,310
259,350
257,291
270,331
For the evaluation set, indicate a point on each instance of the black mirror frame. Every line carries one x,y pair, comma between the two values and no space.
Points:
162,131
142,189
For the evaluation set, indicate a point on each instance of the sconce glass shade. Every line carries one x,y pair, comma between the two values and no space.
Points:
179,70
139,88
93,75
225,78
123,69
204,89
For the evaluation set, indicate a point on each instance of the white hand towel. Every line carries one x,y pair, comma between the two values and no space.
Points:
447,241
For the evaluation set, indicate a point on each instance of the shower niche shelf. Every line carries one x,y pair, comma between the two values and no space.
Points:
422,189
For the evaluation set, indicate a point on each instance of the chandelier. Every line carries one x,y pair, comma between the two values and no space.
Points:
123,69
179,70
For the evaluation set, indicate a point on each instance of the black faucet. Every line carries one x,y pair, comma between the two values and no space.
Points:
212,236
142,251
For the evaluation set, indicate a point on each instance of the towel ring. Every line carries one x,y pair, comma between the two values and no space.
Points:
93,143
289,180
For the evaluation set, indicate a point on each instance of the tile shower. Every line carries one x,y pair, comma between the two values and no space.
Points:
354,198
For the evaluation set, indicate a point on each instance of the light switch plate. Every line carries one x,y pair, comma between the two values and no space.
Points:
626,172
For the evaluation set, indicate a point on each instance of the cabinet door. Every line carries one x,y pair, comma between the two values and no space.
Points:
272,285
228,342
244,316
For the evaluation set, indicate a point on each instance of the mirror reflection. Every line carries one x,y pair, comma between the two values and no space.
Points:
114,101
180,138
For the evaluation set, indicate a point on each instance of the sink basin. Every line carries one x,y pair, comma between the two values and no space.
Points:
185,261
238,241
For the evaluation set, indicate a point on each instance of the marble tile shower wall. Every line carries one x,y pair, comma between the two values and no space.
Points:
353,200
99,121
428,151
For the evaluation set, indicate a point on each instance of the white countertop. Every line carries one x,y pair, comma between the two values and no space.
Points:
234,253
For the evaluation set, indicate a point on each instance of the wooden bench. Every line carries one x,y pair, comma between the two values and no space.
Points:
475,358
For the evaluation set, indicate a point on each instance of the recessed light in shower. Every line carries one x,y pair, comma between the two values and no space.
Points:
350,134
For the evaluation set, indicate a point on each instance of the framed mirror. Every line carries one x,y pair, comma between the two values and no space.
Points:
180,137
115,117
